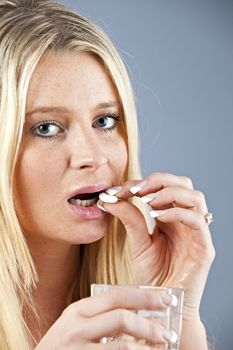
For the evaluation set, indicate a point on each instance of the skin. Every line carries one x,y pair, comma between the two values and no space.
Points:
48,170
180,247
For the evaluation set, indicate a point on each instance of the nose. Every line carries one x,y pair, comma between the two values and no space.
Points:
87,154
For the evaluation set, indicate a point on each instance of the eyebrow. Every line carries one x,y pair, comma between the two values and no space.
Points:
61,109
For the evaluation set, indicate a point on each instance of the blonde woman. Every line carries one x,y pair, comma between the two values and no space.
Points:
68,132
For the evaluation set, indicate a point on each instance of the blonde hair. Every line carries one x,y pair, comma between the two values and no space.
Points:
29,28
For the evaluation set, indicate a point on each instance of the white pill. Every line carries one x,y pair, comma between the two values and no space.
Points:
107,198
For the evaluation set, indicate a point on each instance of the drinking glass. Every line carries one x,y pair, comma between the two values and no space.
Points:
170,317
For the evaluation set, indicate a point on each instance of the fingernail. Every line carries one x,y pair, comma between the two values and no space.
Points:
113,190
171,336
99,205
138,187
107,198
157,213
148,198
169,299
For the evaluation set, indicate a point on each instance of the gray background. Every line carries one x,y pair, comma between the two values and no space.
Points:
180,57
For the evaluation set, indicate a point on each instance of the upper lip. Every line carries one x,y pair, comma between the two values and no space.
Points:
89,189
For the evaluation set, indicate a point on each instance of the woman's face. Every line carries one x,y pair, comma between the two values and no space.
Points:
71,140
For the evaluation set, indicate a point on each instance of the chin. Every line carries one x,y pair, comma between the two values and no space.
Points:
88,237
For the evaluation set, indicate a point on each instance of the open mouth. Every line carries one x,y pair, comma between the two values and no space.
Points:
85,199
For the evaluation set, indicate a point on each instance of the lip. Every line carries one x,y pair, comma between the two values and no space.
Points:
87,213
89,189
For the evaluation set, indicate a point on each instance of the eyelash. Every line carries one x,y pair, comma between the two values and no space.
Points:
52,122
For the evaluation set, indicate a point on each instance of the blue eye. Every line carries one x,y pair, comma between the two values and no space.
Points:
49,129
108,122
46,129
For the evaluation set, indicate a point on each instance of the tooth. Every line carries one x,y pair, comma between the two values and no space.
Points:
72,201
85,203
77,201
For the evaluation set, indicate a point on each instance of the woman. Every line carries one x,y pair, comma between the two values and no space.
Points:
68,132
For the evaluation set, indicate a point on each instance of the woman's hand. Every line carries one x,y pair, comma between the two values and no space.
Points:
83,323
179,252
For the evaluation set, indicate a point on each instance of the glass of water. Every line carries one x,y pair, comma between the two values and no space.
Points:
170,317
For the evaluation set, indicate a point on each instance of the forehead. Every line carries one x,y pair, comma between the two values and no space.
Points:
70,77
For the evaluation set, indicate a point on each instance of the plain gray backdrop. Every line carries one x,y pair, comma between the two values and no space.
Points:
179,54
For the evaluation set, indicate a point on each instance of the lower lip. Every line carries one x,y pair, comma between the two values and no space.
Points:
87,213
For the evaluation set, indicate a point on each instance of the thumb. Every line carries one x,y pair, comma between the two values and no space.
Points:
132,219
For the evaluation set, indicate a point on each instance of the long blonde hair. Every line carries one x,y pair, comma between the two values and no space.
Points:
29,28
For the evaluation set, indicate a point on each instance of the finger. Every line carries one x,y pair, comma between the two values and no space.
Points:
121,345
192,219
115,322
133,221
152,183
181,197
144,299
167,180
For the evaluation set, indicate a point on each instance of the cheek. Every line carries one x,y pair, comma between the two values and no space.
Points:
119,158
34,179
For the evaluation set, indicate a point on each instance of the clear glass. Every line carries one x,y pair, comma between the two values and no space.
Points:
170,317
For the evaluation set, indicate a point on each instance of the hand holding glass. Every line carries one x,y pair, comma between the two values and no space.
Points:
170,317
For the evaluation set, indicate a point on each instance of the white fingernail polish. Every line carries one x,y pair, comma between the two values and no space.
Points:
171,336
154,214
107,198
113,190
138,187
100,206
169,299
174,300
148,198
157,213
